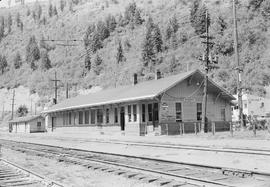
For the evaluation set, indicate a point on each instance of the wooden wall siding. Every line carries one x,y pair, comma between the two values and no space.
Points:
27,127
189,107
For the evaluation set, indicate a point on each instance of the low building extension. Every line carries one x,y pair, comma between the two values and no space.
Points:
28,124
159,105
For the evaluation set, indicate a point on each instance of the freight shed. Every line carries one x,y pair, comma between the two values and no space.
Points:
156,106
28,124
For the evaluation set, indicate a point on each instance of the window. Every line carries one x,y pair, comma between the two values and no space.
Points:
134,112
199,111
155,111
80,117
129,113
39,124
150,112
262,104
86,117
69,118
245,105
107,115
223,117
93,117
143,112
99,116
178,112
115,115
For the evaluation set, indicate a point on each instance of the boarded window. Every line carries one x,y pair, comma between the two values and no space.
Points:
178,112
100,116
155,111
107,115
80,117
199,111
143,112
129,113
69,118
115,115
150,112
86,117
134,112
223,116
93,117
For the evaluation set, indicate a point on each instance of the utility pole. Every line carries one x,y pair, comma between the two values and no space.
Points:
12,105
55,87
209,64
239,68
3,111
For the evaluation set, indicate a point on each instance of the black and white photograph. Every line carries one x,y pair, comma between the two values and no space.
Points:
134,93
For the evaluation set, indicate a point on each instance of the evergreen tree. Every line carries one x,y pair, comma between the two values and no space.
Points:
18,19
174,41
28,12
21,26
266,10
87,60
3,63
221,24
97,64
95,42
173,64
62,5
34,16
44,20
137,17
17,61
198,17
119,55
148,53
45,60
255,4
9,22
110,23
174,24
50,10
157,39
2,28
22,111
102,30
39,10
32,52
55,11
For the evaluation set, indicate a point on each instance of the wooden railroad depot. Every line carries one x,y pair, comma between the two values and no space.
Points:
157,106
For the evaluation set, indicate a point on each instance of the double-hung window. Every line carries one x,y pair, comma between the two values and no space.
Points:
178,112
199,111
134,112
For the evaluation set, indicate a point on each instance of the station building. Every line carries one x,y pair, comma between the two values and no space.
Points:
158,105
28,124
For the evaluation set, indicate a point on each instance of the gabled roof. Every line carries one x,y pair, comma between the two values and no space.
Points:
140,91
24,119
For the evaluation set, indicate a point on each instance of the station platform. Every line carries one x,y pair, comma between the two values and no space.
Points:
112,144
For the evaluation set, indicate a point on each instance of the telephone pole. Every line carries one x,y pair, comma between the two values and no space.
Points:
12,104
238,68
67,89
209,64
55,87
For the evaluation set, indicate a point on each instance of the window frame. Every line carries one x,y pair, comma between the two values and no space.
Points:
115,115
80,117
178,113
199,112
129,113
93,116
143,113
223,114
86,117
150,112
99,116
107,113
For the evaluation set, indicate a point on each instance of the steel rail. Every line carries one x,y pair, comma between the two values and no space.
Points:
45,181
76,156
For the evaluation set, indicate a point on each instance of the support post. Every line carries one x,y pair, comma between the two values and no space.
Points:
213,128
195,128
231,129
254,128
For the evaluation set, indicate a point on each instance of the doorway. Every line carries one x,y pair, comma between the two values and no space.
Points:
53,122
122,118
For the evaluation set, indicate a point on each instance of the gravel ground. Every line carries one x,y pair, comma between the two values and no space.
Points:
68,174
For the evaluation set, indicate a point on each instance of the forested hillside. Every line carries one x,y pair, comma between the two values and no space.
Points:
94,42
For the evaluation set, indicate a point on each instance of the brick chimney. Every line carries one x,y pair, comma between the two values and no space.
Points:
158,75
135,78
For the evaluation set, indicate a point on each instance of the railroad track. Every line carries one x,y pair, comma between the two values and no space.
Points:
236,150
13,175
145,169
